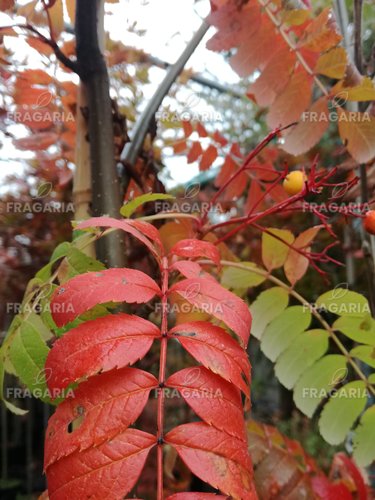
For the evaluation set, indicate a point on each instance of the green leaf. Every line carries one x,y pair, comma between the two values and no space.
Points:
342,410
77,262
359,329
281,332
28,353
238,279
274,251
343,302
268,305
318,381
365,353
129,208
11,407
307,348
60,251
364,439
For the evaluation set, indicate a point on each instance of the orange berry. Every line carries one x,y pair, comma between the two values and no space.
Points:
369,222
294,182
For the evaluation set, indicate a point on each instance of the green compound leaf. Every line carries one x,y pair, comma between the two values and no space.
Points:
237,279
365,353
342,410
343,302
129,208
318,381
307,348
364,439
359,329
283,330
28,353
267,307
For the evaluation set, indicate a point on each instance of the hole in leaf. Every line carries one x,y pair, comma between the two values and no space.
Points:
74,424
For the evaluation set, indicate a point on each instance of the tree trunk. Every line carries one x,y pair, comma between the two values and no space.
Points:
94,76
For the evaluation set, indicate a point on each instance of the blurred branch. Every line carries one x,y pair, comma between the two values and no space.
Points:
132,149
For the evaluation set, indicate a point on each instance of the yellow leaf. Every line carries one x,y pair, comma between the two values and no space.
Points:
332,63
357,131
365,91
295,17
56,13
274,250
71,9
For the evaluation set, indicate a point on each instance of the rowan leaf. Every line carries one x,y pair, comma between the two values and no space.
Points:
10,406
332,63
208,157
226,171
268,306
309,130
77,262
28,352
274,250
296,264
364,91
100,408
284,330
100,345
213,399
216,350
202,132
212,298
357,131
321,34
190,269
92,472
237,278
297,91
215,457
196,496
360,329
36,142
305,350
365,353
141,230
341,411
195,152
234,25
36,119
364,439
187,127
318,381
85,291
131,206
256,49
196,248
343,302
274,76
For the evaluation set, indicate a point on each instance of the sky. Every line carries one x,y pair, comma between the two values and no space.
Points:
168,25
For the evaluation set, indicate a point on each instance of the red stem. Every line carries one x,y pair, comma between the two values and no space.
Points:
243,167
162,369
